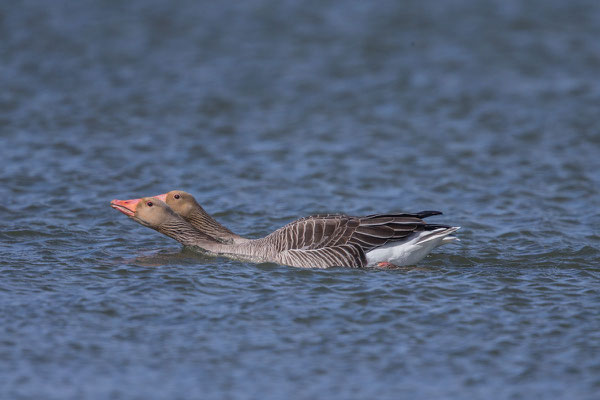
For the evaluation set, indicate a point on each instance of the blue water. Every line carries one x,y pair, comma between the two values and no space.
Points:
268,111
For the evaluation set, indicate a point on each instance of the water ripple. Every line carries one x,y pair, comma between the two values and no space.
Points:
270,113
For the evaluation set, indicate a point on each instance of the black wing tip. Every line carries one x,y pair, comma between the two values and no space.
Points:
425,214
420,215
433,227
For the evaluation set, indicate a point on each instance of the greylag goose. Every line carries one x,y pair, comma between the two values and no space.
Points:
318,241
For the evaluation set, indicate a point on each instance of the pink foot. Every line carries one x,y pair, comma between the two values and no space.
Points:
386,264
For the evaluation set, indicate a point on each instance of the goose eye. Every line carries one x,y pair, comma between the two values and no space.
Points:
177,196
149,204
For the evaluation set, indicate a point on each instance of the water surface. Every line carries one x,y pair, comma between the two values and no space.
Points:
269,111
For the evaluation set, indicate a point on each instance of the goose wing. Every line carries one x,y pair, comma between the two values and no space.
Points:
341,240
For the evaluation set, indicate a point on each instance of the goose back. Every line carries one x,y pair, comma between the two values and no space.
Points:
326,240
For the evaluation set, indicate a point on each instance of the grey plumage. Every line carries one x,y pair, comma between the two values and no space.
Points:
321,241
318,241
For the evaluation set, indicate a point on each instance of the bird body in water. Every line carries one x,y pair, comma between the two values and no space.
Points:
318,241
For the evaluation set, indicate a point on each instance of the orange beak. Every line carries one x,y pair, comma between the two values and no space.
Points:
127,207
161,197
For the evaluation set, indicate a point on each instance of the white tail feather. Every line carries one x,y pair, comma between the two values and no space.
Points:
412,250
436,234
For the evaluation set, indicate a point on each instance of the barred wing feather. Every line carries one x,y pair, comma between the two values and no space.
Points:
342,240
